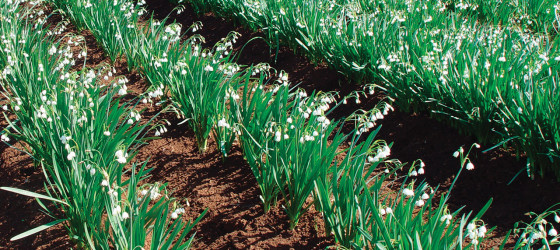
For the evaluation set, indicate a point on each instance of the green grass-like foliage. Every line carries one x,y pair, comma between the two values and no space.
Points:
198,81
287,140
488,74
540,231
82,137
293,149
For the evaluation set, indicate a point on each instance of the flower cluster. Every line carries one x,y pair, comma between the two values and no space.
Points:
475,232
121,156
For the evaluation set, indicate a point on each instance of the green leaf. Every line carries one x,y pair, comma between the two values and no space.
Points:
36,230
32,194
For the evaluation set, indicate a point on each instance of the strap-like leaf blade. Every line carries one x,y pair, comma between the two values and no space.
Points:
36,230
32,194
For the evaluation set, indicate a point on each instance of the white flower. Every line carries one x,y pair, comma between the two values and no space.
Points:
421,171
283,76
476,145
64,139
52,50
481,231
154,194
557,218
121,156
446,218
208,68
552,232
5,138
177,212
456,154
471,227
105,183
502,59
277,136
408,192
419,203
125,215
389,210
122,91
116,210
428,19
382,211
414,173
470,166
425,196
223,123
71,155
113,192
107,133
383,153
289,120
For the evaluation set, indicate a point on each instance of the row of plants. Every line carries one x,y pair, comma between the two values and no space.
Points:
286,137
80,132
540,16
498,82
197,85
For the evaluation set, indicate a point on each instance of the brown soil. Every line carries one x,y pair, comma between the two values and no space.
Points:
229,190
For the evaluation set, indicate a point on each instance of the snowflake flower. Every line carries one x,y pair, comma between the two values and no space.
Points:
116,210
121,156
408,192
71,155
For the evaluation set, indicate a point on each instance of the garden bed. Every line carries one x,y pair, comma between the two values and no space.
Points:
229,190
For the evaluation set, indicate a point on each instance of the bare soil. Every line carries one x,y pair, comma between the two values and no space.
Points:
235,219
